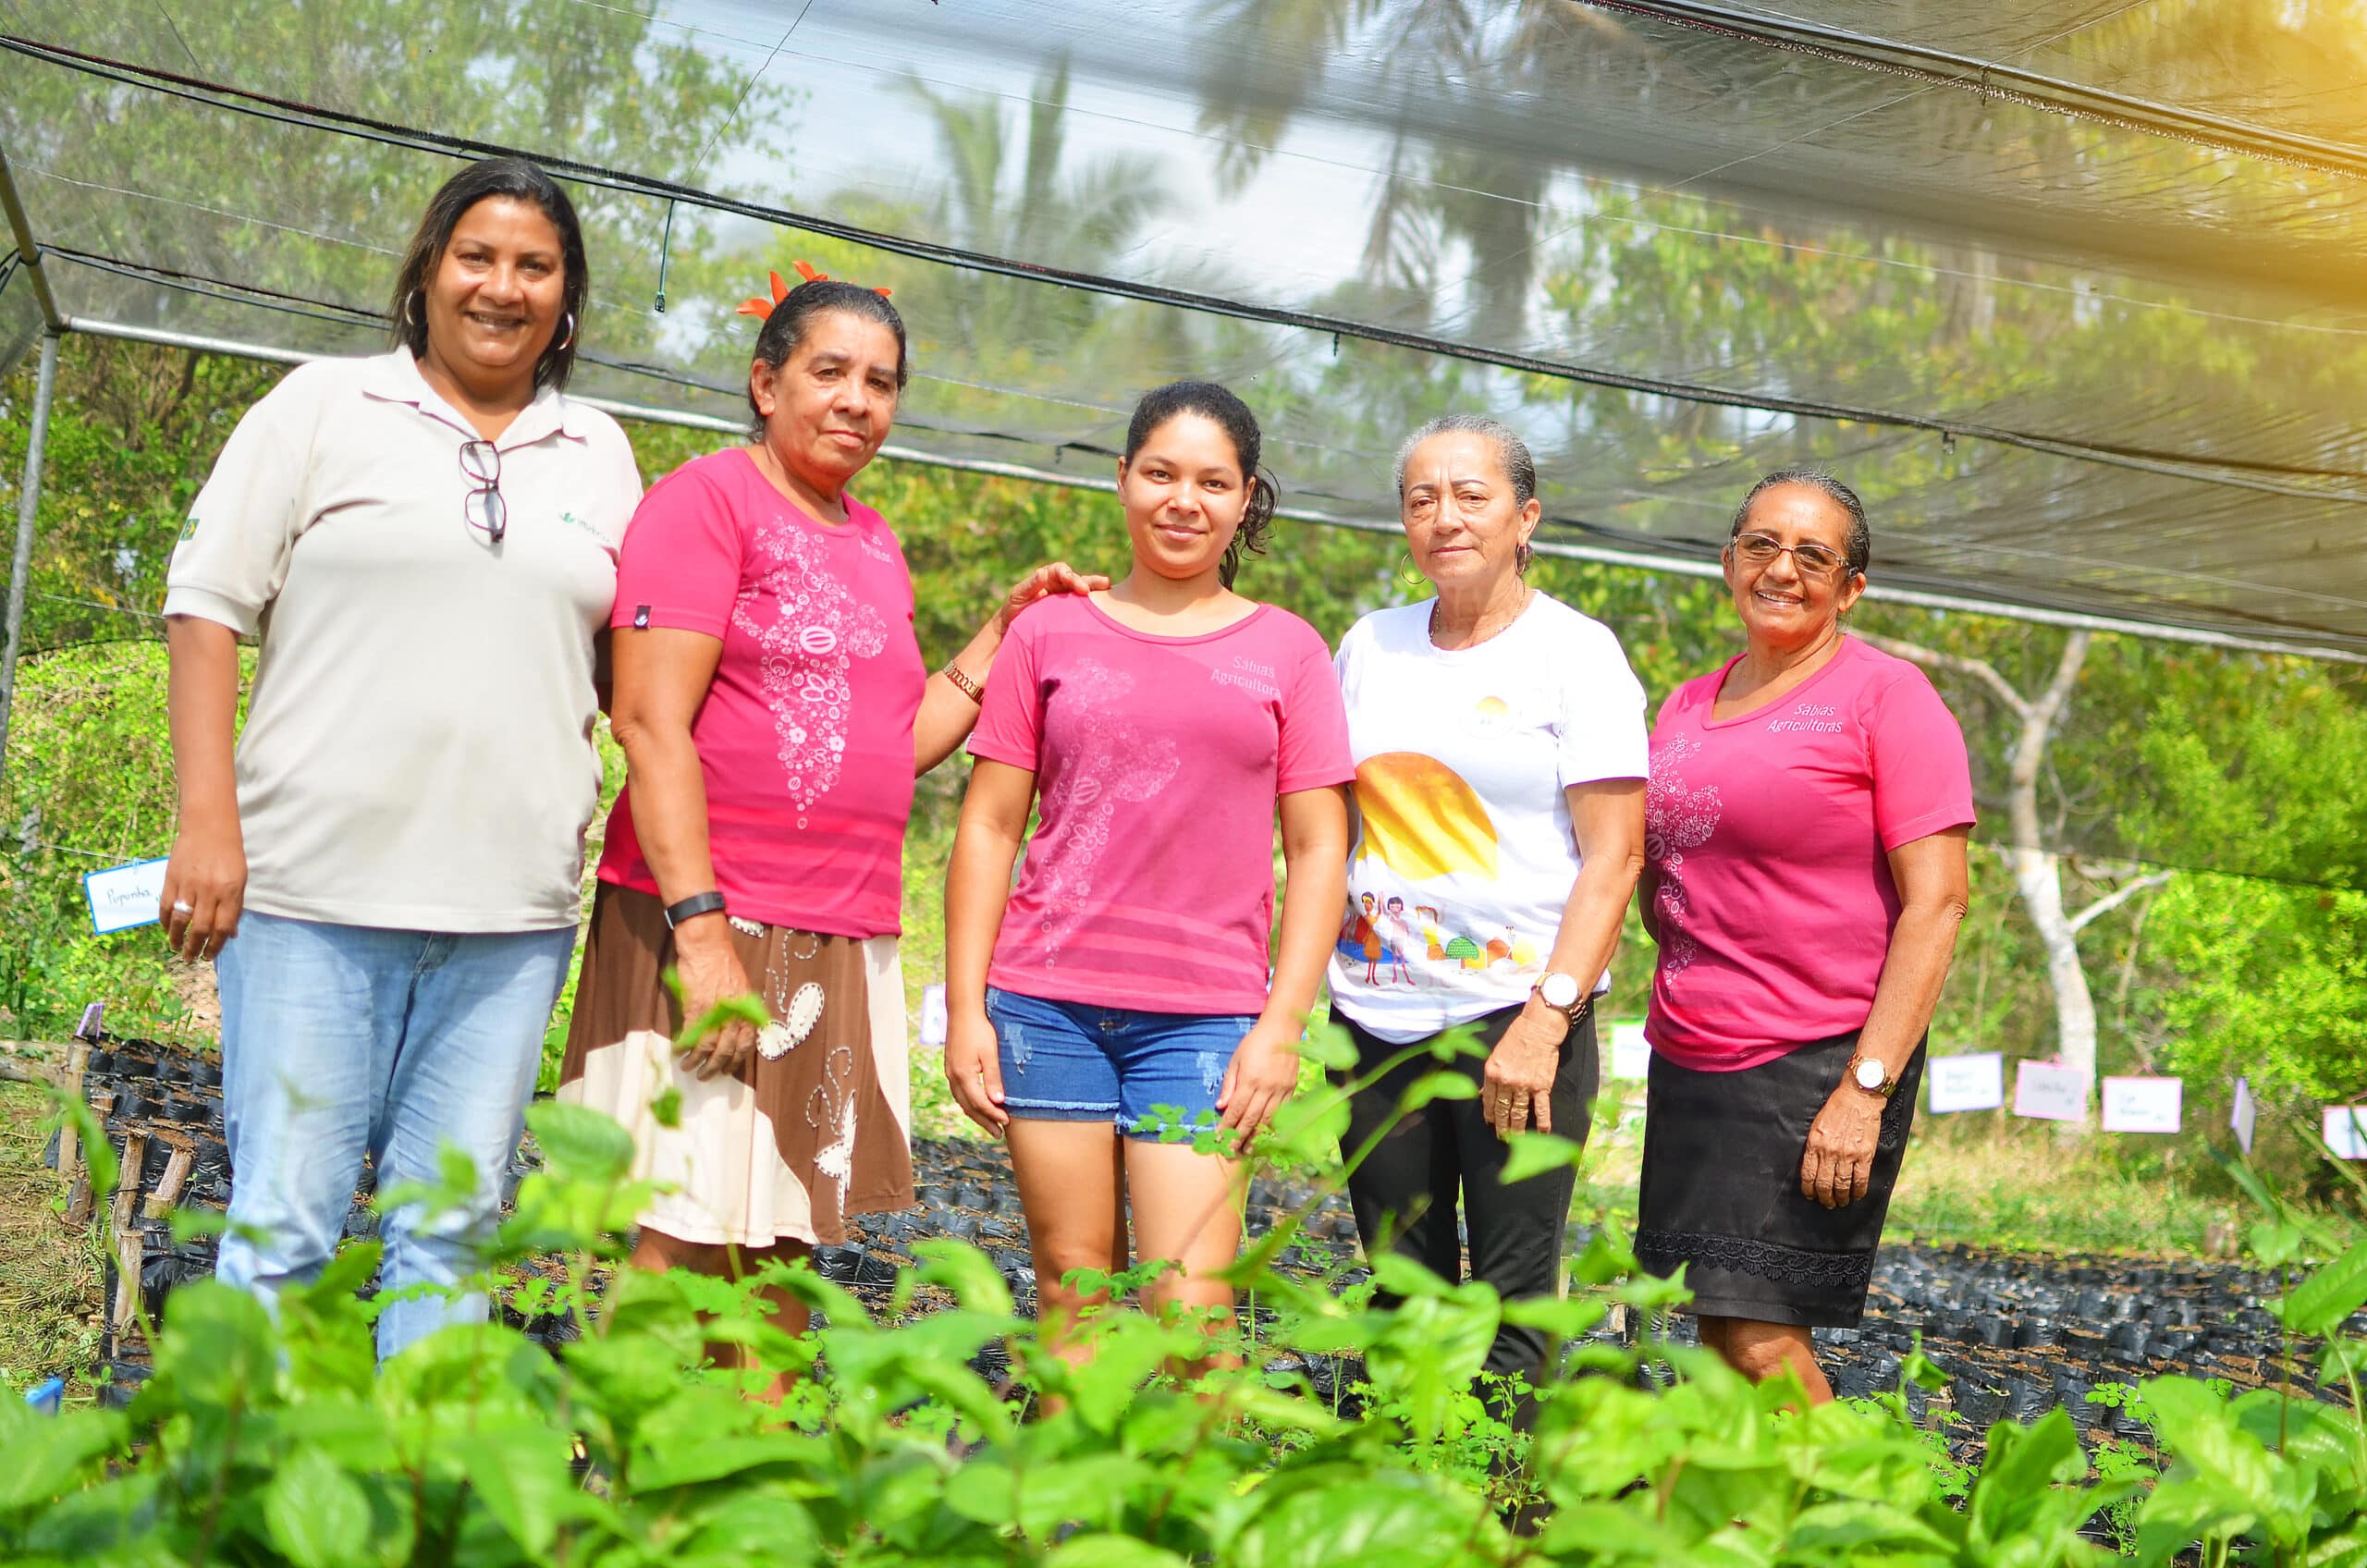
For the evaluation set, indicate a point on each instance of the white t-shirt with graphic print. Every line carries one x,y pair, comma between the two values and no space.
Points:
1463,857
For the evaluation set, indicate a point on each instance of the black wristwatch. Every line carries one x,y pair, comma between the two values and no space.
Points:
709,903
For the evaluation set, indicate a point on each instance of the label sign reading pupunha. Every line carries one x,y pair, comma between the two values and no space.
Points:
125,896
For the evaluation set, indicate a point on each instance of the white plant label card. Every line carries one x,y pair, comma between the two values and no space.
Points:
2245,1117
2143,1105
123,896
1630,1056
2345,1131
934,1026
1974,1082
2050,1092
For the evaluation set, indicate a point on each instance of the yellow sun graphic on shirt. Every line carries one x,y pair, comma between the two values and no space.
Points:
1421,820
1494,707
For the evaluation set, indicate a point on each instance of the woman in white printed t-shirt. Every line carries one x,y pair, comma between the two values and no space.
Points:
1499,742
387,874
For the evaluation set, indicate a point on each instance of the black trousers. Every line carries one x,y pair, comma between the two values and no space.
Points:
1404,1193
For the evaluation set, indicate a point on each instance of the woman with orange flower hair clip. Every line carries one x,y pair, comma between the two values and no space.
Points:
774,710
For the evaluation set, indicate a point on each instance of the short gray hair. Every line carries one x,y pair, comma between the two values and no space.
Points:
1512,452
1859,549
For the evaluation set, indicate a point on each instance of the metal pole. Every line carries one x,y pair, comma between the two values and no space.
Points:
21,564
20,229
1600,554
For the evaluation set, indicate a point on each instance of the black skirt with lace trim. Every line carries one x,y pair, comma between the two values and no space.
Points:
1722,1188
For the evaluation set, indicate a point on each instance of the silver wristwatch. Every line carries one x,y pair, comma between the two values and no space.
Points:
1563,995
1871,1075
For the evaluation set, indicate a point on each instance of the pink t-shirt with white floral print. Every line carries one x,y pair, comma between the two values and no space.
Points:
1158,763
806,736
1769,833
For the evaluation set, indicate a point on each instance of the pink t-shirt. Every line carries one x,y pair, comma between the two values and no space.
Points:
1150,882
805,738
1769,833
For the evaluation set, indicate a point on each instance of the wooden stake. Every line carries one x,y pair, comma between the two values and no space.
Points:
129,1256
127,1186
69,1143
168,1187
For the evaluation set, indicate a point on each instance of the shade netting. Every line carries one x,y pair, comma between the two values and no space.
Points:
2070,288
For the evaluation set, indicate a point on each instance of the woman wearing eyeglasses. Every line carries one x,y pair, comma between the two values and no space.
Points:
386,874
1805,875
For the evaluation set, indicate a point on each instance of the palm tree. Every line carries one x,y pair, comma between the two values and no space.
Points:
1029,207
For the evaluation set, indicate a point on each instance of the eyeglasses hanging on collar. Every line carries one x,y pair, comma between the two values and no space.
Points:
482,507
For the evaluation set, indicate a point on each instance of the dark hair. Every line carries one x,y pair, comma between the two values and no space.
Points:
785,329
1213,402
520,181
1859,550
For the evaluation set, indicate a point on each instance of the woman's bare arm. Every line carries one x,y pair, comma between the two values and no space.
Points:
208,869
1314,860
978,885
1607,821
947,714
662,675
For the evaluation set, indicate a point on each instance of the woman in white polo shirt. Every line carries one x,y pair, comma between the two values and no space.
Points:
1499,742
387,874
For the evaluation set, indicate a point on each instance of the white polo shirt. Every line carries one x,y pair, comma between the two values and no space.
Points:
418,746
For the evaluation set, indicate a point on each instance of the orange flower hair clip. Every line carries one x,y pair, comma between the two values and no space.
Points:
761,307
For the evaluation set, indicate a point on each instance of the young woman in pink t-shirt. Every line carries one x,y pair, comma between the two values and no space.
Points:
1124,984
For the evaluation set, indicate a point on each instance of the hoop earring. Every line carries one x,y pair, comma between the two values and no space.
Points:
568,342
1522,555
417,318
1409,575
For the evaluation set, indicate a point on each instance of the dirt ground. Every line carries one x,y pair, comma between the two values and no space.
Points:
49,1278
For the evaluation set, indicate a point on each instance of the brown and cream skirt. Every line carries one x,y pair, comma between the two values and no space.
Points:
816,1127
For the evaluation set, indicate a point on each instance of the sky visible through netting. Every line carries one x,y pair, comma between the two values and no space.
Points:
2072,291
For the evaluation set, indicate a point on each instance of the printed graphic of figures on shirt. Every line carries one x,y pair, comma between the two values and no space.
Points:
1421,822
818,630
1675,819
1109,759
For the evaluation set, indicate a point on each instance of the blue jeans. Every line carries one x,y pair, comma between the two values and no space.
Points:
340,1041
1074,1062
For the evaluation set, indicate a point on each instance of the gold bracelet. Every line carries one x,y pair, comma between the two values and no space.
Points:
963,684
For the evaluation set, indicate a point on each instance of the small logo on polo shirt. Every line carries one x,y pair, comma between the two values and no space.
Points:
641,617
575,521
189,530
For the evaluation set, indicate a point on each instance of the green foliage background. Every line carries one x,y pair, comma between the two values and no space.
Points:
2200,756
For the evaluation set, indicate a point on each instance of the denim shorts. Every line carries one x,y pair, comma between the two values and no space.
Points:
1072,1061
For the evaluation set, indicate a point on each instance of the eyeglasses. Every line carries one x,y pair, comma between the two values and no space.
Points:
484,508
1815,559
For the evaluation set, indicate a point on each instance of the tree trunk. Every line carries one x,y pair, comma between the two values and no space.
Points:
2038,877
2037,872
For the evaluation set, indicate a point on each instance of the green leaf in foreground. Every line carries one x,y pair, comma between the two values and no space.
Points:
1534,1154
2321,1303
317,1515
580,1143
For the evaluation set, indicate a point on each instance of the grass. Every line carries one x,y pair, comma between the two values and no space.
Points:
2024,1188
2015,1186
49,1278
